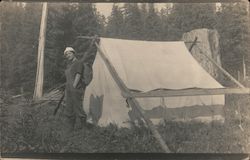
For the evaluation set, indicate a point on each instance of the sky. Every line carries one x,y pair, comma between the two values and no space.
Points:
105,8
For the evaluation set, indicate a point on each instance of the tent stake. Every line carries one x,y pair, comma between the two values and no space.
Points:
132,101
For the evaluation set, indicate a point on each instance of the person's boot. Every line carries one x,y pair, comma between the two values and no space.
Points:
89,123
82,122
86,123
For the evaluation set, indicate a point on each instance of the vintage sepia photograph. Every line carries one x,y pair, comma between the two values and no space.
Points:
125,77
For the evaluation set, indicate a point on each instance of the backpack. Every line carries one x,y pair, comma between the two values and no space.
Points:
87,74
88,61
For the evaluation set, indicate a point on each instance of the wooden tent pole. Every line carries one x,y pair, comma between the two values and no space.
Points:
194,43
244,67
38,92
132,101
223,70
190,92
135,104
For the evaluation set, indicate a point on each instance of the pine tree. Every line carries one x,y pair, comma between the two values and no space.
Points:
85,23
26,51
65,23
152,24
233,27
20,24
20,32
144,13
101,19
165,25
185,17
132,21
115,23
11,18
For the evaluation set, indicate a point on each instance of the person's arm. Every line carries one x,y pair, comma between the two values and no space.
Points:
77,79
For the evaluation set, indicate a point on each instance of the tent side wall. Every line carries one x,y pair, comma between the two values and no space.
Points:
103,100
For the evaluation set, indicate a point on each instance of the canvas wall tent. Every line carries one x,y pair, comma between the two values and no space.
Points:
145,66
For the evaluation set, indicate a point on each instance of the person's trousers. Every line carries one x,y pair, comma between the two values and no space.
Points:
75,117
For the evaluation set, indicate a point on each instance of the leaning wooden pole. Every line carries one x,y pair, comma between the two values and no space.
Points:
135,105
244,67
38,92
223,70
132,101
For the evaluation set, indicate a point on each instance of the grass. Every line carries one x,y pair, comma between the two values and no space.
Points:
34,129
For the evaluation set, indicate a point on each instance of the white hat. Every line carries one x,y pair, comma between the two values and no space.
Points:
69,49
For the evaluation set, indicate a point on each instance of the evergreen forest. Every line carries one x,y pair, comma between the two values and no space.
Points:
20,24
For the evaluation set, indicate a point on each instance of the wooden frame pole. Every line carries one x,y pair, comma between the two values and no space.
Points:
132,101
190,92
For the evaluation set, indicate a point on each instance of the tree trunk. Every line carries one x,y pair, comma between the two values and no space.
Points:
208,43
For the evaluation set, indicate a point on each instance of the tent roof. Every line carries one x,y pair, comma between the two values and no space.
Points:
147,65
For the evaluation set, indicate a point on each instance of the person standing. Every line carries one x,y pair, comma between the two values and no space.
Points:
75,117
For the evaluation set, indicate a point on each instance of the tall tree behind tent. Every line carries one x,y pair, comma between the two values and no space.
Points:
86,23
30,32
144,12
185,17
65,23
165,25
20,31
132,21
233,27
143,22
59,28
11,26
152,25
115,23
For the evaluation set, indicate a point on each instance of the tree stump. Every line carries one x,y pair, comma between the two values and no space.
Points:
208,43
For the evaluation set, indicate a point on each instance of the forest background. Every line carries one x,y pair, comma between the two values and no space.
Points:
20,24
